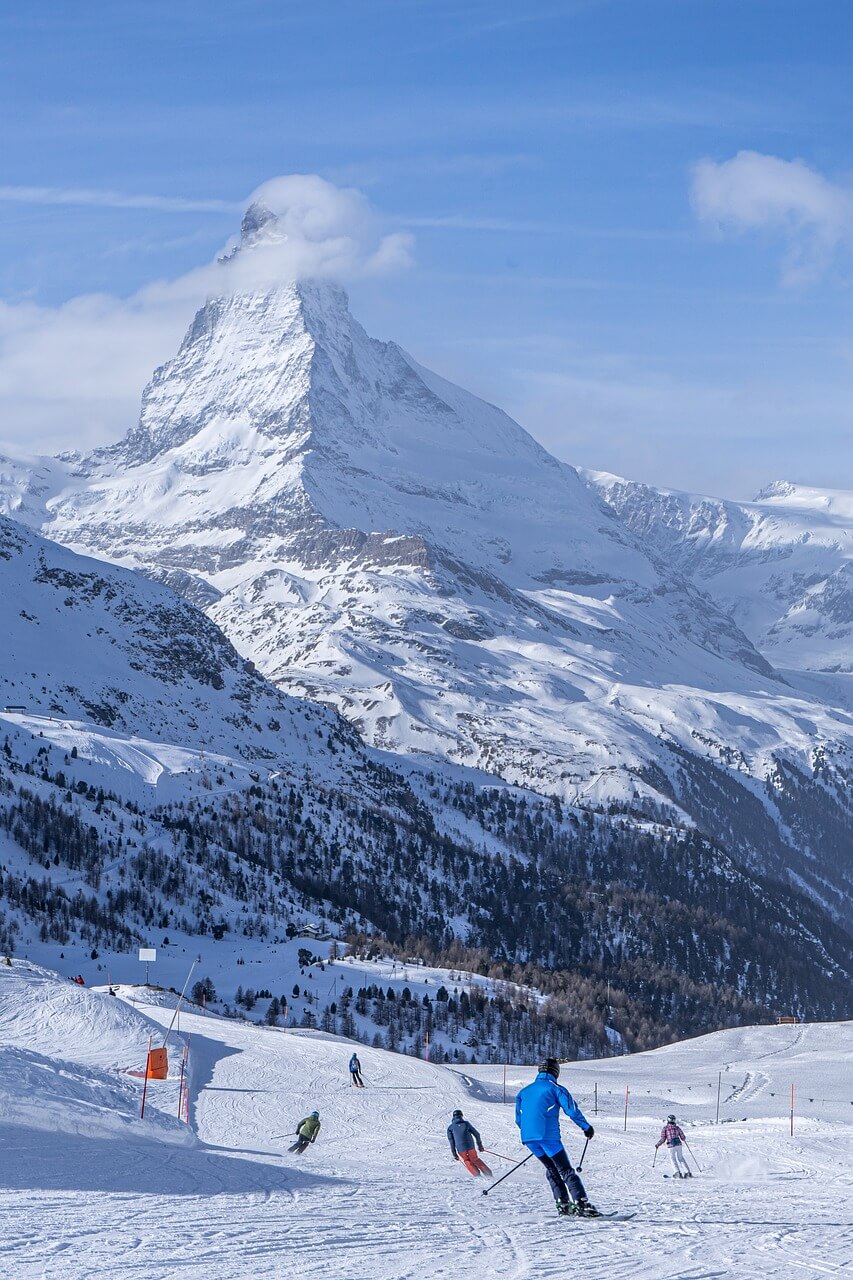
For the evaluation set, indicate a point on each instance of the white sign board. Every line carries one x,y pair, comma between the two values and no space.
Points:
148,954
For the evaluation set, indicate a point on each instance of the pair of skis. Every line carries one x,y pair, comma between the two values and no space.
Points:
615,1216
571,1217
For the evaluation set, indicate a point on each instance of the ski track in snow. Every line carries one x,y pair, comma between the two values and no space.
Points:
378,1196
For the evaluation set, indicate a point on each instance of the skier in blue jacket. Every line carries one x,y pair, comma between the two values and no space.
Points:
537,1114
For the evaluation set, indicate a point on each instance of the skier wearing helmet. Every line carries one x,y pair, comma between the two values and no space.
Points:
673,1136
537,1114
465,1142
306,1133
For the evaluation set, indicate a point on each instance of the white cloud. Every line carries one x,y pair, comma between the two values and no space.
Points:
321,230
100,198
71,375
755,192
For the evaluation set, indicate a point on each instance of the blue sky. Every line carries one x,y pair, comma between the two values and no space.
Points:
688,328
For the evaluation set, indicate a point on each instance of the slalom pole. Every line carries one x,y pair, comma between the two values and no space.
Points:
583,1153
693,1158
506,1175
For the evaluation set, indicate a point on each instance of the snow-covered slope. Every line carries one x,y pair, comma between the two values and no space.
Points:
379,1195
376,538
781,566
126,673
71,1064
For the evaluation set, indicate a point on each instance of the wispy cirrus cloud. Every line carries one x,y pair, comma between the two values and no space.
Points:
757,192
103,198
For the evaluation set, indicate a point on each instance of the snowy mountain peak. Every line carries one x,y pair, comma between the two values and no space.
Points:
776,489
258,221
836,504
241,376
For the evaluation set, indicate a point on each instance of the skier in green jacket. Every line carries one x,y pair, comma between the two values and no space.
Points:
306,1133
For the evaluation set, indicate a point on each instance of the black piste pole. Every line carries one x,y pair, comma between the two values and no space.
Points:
507,1175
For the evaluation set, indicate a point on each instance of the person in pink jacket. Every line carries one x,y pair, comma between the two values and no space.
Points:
673,1136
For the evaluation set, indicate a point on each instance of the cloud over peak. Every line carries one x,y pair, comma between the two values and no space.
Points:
71,374
301,225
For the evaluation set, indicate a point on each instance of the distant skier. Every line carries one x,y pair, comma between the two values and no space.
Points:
537,1114
673,1136
355,1072
465,1142
306,1133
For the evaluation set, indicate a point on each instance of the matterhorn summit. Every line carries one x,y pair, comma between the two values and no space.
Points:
374,537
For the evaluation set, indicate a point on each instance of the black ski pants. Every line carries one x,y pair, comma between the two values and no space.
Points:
564,1182
300,1145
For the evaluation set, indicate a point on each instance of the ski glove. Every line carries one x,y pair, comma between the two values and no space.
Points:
589,1132
481,1148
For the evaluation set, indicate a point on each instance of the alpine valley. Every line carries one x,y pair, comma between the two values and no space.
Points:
402,672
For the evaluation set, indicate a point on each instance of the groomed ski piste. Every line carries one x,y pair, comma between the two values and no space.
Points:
91,1191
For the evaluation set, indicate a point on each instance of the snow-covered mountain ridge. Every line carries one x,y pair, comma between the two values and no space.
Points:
89,643
781,566
378,539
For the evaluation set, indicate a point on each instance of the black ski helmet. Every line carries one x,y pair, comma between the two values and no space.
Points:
670,1119
457,1114
550,1066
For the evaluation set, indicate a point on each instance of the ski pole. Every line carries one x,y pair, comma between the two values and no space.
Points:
489,1150
655,1157
583,1153
693,1158
506,1175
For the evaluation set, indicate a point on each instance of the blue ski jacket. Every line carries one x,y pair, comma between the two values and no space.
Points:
354,1064
462,1136
538,1106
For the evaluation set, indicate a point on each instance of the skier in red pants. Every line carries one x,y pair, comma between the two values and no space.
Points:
464,1143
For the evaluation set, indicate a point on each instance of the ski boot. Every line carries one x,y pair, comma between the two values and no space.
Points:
583,1209
565,1208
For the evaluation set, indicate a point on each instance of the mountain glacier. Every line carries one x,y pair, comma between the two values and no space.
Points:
373,537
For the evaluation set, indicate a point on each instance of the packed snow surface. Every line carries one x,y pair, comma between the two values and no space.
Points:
378,1195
